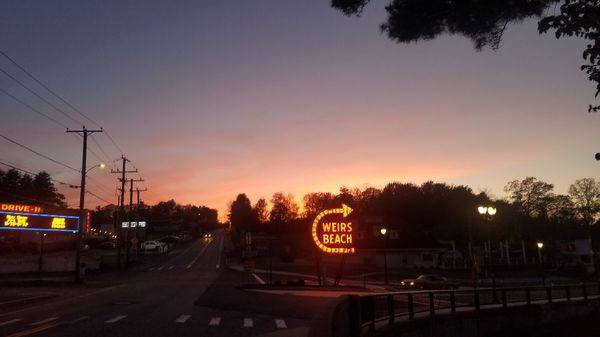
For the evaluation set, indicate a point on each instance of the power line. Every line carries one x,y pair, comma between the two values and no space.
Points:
39,154
39,96
32,108
98,197
107,157
61,98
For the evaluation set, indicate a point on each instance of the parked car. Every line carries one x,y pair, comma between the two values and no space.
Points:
107,245
428,282
154,245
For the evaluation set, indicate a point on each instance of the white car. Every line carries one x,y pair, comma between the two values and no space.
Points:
153,245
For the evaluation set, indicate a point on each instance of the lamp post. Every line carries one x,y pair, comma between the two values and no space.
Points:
488,213
540,246
383,232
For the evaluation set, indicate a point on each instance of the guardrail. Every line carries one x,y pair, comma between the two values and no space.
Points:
371,311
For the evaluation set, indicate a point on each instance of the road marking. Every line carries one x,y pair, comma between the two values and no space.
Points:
199,254
280,324
33,330
215,321
115,319
47,320
220,252
160,268
182,318
11,321
151,269
261,281
62,301
248,323
171,267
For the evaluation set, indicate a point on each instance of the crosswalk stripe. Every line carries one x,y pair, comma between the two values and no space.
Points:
115,319
11,321
171,267
160,268
215,321
182,318
151,269
49,319
280,324
248,323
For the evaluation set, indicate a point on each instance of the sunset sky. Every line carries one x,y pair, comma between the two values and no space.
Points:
213,98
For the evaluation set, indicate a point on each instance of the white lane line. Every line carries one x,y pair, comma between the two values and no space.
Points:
220,251
160,268
182,318
215,321
248,323
280,324
261,281
49,319
11,321
171,267
115,319
199,254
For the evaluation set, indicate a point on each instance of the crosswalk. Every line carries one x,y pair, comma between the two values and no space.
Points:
49,322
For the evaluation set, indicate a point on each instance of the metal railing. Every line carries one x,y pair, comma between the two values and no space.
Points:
369,311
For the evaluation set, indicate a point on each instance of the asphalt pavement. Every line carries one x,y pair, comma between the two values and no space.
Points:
188,292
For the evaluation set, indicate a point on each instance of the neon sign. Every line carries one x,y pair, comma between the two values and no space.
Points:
332,231
20,208
21,221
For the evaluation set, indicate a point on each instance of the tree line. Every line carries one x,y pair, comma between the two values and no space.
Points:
39,189
437,211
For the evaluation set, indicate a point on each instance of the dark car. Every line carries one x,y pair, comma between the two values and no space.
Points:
428,282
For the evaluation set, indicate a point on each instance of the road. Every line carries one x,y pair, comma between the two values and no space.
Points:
186,293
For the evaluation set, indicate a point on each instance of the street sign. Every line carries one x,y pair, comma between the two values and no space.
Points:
249,253
332,231
249,265
31,218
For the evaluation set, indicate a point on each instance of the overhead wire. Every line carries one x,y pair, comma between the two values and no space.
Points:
39,154
61,99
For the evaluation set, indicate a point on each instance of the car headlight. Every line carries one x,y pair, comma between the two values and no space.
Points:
402,283
412,283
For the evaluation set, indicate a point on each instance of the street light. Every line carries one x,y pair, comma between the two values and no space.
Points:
383,232
101,166
540,246
488,212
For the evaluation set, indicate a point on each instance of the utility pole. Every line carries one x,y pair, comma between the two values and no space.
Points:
131,181
85,132
138,196
121,212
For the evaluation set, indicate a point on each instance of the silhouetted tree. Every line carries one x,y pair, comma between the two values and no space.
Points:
484,22
260,209
316,202
284,210
585,194
241,215
39,189
531,195
580,18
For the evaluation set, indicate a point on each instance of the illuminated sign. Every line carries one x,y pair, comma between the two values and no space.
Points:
21,221
20,208
332,231
133,224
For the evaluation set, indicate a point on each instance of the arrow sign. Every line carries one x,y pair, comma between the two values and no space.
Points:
334,236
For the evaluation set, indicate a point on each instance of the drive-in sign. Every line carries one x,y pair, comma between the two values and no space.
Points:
30,218
332,231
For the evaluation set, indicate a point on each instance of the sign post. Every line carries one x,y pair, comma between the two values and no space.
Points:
332,233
